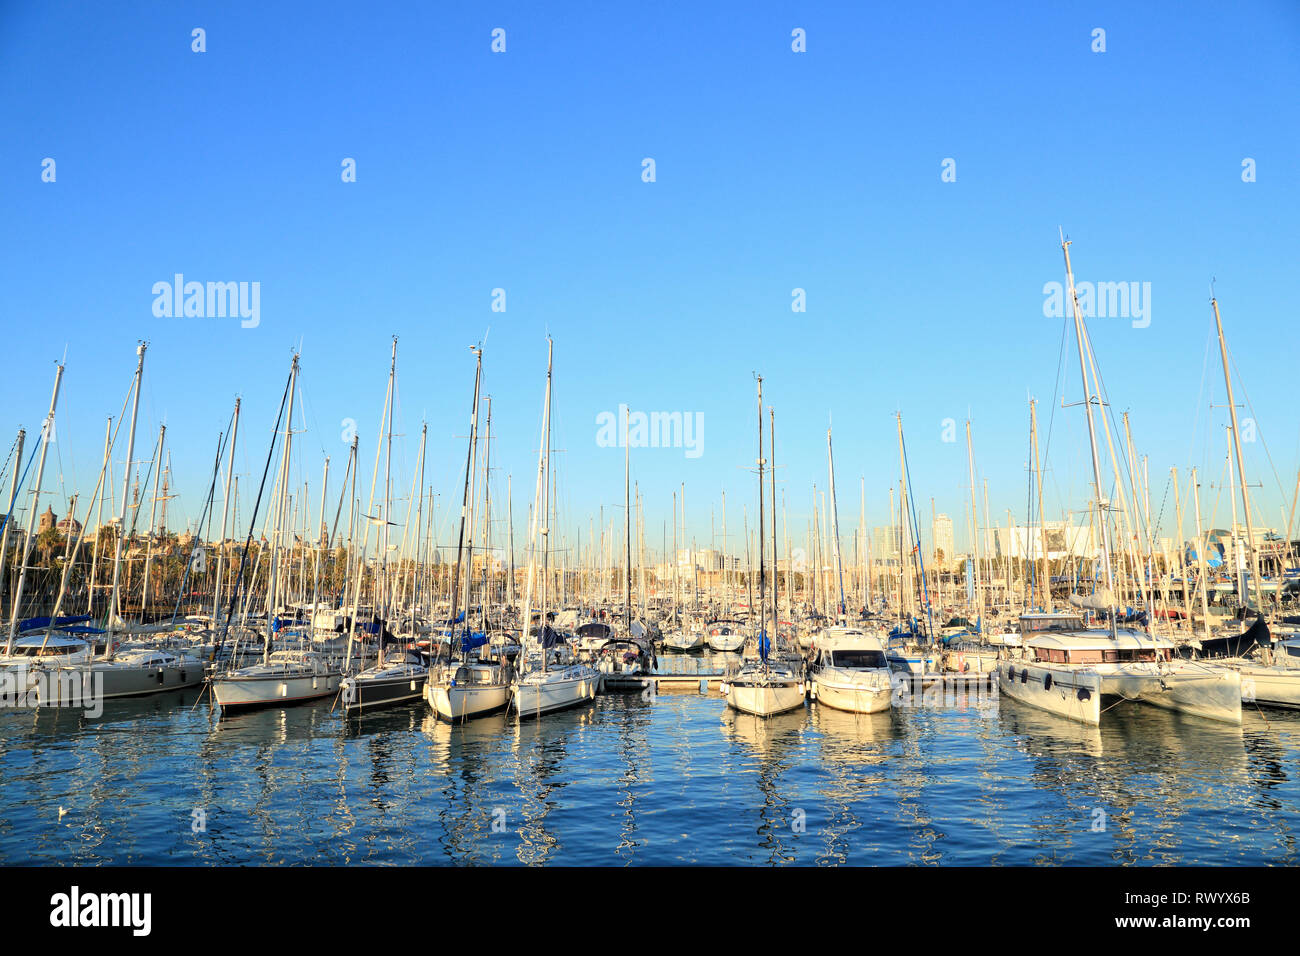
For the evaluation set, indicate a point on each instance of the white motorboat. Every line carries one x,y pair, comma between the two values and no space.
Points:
850,671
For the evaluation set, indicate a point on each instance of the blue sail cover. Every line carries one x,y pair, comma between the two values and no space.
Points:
32,623
550,637
764,645
469,641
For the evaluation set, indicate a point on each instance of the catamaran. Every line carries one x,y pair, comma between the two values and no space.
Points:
1069,667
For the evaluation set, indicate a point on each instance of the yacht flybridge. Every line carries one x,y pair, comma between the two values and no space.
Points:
1078,671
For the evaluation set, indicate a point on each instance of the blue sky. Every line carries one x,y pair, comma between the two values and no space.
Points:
775,170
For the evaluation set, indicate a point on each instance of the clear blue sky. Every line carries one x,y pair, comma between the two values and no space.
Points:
775,170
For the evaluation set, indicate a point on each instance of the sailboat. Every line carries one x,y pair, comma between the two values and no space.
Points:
683,636
132,671
387,681
287,675
549,677
764,685
625,661
1269,670
1069,668
463,686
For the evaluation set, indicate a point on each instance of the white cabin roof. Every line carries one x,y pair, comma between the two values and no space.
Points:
848,639
1098,639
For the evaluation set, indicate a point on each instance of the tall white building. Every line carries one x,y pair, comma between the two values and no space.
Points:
943,541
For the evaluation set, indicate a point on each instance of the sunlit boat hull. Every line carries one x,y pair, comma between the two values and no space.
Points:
270,690
544,692
684,641
1073,693
372,690
463,703
764,695
860,693
110,679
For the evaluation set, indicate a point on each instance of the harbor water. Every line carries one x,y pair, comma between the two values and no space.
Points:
646,779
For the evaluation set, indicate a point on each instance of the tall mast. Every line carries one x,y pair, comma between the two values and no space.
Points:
153,515
1102,504
627,521
1241,462
225,514
113,611
47,430
99,521
977,553
464,503
278,528
1200,557
487,516
835,523
320,545
9,512
776,564
763,643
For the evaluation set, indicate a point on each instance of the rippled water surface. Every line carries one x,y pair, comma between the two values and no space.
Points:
672,779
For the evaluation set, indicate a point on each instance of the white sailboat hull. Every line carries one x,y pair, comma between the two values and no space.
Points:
764,699
264,691
1269,686
545,692
684,640
462,703
726,642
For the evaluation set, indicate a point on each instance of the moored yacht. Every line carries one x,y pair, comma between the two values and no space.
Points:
1077,671
850,672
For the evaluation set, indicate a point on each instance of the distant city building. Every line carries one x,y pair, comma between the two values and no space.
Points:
944,547
49,519
1054,540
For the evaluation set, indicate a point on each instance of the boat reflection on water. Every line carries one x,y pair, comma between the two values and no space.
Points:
854,750
160,708
1173,766
540,776
777,743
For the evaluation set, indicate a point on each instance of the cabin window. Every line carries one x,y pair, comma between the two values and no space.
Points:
1085,657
